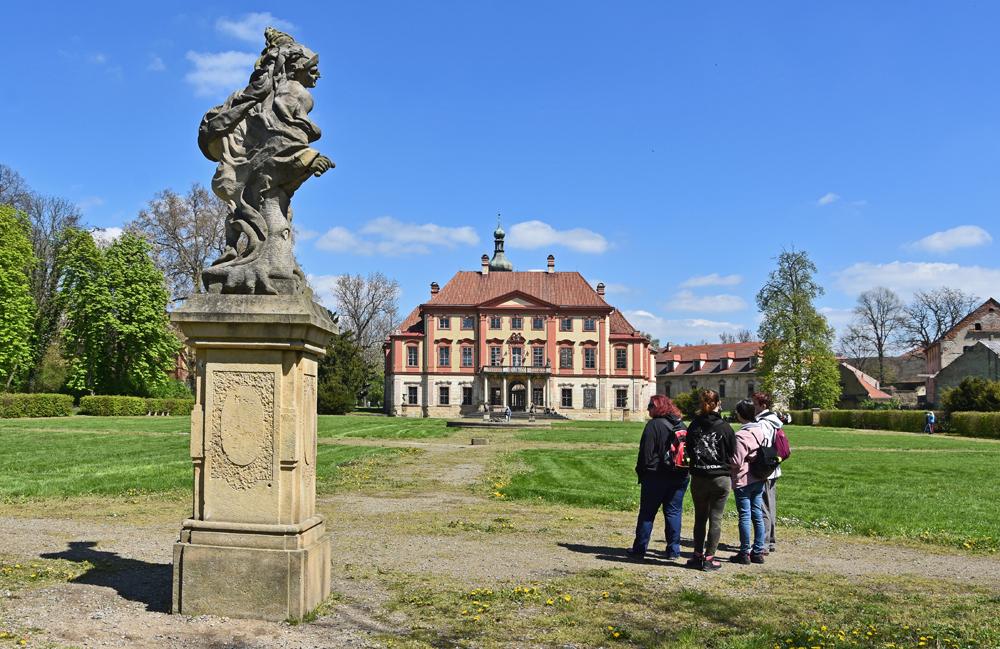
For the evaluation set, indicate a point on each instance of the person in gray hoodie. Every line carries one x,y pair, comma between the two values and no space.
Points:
769,422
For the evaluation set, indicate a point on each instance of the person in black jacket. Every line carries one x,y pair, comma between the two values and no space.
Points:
710,443
663,483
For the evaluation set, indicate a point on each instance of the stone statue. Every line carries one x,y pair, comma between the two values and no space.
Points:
261,139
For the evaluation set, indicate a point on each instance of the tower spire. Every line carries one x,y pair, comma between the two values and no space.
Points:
499,261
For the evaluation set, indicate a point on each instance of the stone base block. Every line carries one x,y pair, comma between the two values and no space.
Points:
269,572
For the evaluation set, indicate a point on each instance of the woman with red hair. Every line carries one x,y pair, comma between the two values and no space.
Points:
664,480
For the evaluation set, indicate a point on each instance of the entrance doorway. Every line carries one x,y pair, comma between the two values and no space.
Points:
496,397
518,397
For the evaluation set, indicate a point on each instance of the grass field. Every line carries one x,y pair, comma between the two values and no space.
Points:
49,461
369,427
937,489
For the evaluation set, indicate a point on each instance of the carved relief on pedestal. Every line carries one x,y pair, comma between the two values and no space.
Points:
242,427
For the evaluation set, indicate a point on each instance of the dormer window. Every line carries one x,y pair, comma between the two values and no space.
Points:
978,326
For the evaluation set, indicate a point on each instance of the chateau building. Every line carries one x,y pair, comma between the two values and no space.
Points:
982,325
538,341
728,368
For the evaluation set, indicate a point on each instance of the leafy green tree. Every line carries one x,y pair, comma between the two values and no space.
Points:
17,306
342,373
117,337
143,347
798,363
86,301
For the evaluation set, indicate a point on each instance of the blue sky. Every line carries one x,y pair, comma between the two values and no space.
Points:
669,150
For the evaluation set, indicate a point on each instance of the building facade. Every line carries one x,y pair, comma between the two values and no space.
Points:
728,368
981,360
533,341
981,324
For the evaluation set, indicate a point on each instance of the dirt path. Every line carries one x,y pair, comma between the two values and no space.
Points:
431,518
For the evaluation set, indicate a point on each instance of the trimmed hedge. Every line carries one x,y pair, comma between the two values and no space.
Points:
35,405
118,406
170,406
976,424
910,421
801,417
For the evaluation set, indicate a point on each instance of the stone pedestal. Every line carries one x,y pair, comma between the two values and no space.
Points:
254,546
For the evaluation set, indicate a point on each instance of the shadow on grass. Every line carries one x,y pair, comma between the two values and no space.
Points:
618,555
134,580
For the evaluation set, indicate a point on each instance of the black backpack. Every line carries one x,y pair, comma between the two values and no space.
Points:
764,462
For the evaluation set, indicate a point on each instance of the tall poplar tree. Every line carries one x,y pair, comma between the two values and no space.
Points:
117,338
799,365
17,306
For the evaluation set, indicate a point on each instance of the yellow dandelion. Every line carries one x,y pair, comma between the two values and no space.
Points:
616,634
550,602
568,598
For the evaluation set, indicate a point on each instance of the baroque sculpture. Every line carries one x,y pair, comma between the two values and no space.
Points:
255,544
261,138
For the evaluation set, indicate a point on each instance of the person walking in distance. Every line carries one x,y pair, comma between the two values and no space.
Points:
663,480
710,444
769,422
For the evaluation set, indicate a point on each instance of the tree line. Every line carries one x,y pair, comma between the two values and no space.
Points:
90,316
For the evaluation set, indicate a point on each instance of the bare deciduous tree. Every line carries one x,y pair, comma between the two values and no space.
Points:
878,320
367,306
932,313
187,232
741,336
13,190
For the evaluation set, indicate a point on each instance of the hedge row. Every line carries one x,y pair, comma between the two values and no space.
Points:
976,424
801,417
116,406
35,405
911,421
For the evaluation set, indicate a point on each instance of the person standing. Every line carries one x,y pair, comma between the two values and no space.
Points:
663,482
769,422
710,444
929,421
748,489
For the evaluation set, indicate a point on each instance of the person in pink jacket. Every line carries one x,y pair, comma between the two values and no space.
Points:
749,491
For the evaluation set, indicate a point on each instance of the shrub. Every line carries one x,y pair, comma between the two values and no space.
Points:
973,394
112,406
35,405
976,424
911,421
688,402
334,398
801,417
872,404
172,389
170,406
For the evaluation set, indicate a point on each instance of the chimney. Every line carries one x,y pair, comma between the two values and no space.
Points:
669,347
434,288
552,264
600,289
486,264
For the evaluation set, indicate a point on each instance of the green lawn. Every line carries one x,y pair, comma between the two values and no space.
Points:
373,427
58,462
938,489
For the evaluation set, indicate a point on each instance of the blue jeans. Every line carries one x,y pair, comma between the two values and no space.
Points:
750,506
664,490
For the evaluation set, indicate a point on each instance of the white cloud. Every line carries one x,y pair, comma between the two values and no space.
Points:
538,234
99,58
963,236
692,330
104,236
905,277
251,27
714,279
219,72
389,236
687,301
828,198
322,286
156,64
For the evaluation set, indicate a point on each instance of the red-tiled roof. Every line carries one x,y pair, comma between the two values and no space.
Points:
687,368
619,325
869,383
689,353
413,324
469,288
